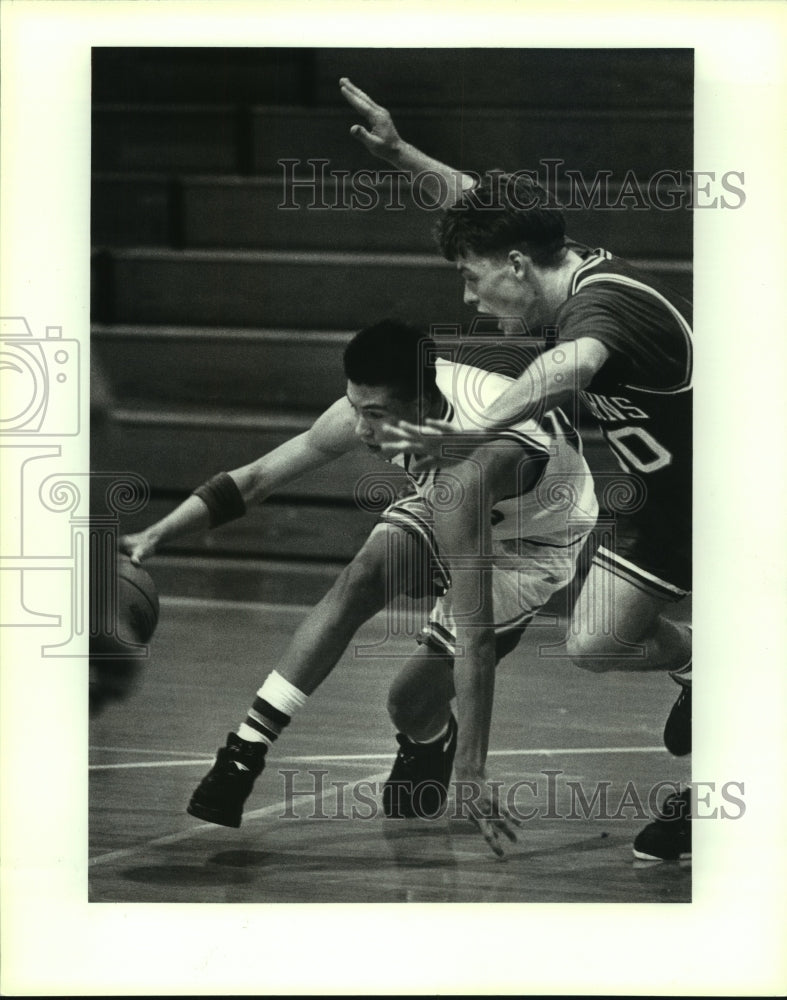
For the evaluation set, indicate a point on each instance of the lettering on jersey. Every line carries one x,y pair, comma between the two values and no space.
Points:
635,448
612,407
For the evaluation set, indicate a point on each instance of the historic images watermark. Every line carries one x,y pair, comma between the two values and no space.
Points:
61,522
309,795
313,185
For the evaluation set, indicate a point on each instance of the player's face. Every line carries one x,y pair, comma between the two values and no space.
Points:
375,405
496,286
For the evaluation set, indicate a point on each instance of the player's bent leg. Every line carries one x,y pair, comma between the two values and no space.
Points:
419,699
636,635
618,626
419,704
383,569
677,728
380,570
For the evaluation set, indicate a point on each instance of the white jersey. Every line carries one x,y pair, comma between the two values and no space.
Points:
561,505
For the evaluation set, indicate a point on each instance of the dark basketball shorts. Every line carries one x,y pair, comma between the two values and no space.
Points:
651,549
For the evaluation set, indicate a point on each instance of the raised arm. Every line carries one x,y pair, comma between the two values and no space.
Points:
381,138
229,495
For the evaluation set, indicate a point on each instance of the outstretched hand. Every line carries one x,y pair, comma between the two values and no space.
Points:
380,136
427,439
497,826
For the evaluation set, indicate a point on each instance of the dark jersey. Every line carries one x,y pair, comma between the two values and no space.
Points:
641,397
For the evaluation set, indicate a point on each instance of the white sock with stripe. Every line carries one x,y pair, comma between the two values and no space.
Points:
271,711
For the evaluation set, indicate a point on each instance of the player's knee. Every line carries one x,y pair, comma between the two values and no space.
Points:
398,707
408,710
591,653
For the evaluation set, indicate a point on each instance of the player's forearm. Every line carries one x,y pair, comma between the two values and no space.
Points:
527,398
547,383
443,184
464,535
214,502
323,443
474,682
190,517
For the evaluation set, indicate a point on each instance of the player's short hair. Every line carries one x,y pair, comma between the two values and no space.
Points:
394,354
504,212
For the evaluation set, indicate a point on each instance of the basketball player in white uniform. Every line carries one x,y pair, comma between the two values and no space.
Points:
493,538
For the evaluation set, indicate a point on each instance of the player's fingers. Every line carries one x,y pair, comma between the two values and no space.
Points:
417,432
401,446
356,96
395,447
130,548
391,448
389,440
125,545
346,84
402,431
364,136
510,831
391,432
489,834
358,100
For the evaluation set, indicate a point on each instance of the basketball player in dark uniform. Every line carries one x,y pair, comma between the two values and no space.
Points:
641,398
626,346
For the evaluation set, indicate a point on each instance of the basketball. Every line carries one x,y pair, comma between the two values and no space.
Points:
138,604
117,654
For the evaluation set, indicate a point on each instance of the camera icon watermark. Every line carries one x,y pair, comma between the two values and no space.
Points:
40,381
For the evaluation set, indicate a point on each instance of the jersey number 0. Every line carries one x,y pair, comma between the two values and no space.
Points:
636,450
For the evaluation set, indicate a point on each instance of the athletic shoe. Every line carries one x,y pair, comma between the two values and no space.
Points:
418,783
668,837
677,729
220,795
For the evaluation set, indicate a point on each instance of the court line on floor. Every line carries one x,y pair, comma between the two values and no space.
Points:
175,838
150,763
357,757
271,607
541,752
224,604
156,752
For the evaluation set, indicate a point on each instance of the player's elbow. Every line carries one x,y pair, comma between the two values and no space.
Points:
592,354
253,484
595,654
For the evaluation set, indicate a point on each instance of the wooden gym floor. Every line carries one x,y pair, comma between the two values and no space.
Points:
554,726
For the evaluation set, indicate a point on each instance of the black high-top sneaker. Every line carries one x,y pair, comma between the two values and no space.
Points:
220,795
668,837
418,783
